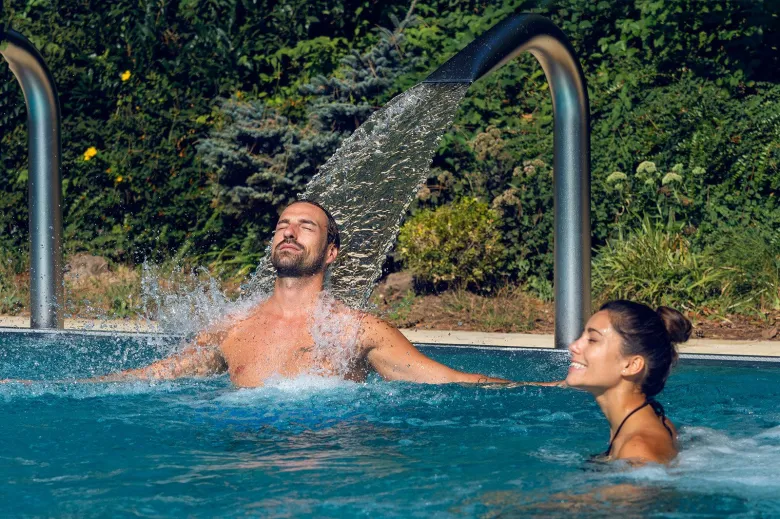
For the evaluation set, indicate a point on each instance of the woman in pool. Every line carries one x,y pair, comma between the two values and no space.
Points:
623,359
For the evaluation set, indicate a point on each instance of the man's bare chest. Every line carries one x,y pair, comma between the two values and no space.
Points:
259,349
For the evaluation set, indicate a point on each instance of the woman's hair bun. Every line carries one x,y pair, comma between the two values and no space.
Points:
677,325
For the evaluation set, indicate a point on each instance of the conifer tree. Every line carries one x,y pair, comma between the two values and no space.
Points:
263,159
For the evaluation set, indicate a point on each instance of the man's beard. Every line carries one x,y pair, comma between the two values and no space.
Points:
295,265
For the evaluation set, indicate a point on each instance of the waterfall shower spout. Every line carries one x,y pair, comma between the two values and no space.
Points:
571,165
45,179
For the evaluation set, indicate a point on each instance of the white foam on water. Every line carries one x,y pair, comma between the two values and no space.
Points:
770,434
557,416
713,461
281,388
558,456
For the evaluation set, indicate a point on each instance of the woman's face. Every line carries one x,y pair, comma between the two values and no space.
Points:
597,362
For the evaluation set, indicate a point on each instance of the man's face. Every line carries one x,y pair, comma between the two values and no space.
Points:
300,245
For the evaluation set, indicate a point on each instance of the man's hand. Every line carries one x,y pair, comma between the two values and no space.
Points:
395,358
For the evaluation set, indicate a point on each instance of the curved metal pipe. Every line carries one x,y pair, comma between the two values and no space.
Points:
571,165
45,179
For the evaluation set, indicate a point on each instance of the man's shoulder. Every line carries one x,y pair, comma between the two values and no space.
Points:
375,331
369,320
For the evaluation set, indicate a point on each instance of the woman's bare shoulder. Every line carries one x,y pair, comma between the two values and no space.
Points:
653,445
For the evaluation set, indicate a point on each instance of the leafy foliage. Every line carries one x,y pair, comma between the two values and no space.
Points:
752,264
707,120
207,116
740,272
141,82
457,244
263,159
656,267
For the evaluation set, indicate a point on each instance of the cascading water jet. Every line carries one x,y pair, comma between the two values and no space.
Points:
371,179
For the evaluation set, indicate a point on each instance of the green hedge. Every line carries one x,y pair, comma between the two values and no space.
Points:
142,82
690,85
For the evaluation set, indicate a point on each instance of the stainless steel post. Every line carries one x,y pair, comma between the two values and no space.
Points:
45,180
571,168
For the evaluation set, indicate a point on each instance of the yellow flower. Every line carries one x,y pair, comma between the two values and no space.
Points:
91,152
119,179
126,75
239,94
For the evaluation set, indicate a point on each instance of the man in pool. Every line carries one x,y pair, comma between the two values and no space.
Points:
275,338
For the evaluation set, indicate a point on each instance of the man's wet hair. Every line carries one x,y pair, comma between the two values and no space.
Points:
333,228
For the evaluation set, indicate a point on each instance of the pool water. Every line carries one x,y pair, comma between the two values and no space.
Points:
312,447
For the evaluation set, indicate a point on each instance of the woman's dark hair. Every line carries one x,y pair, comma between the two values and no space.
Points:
651,334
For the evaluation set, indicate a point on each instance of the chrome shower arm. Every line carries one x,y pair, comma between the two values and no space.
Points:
45,179
571,157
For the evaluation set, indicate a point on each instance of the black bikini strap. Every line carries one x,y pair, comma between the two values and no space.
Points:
629,415
659,411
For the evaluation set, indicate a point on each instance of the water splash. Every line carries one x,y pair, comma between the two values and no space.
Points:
369,183
184,302
335,331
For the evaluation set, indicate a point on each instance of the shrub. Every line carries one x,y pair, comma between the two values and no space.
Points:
655,267
739,272
751,260
457,244
14,282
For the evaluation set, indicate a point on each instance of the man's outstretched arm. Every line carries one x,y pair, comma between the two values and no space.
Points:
193,361
199,359
395,358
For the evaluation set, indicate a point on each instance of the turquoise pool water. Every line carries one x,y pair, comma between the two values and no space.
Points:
314,447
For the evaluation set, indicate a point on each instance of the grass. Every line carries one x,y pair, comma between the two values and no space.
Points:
752,262
14,283
116,294
658,268
739,274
